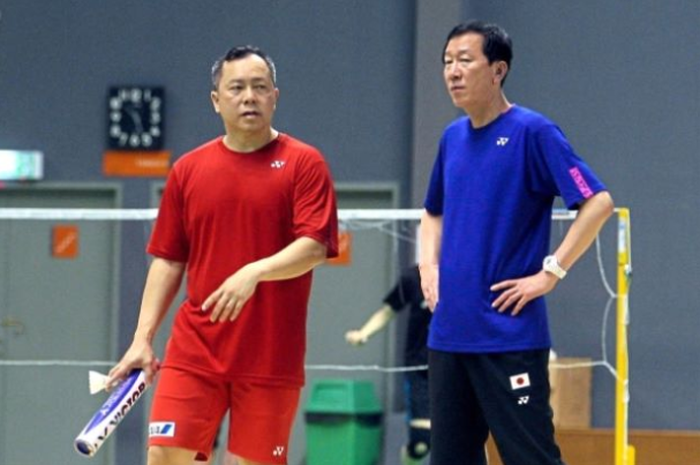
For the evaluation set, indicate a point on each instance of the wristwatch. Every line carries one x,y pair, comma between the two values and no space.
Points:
551,265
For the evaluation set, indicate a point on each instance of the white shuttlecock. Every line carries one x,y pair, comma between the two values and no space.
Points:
98,382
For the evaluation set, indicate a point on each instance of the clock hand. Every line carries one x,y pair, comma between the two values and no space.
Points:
136,117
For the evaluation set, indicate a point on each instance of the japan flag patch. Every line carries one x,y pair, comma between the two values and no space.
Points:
519,381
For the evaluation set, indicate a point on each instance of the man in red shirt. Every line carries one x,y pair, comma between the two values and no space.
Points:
247,216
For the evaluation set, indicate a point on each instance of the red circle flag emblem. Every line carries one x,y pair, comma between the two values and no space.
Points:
519,381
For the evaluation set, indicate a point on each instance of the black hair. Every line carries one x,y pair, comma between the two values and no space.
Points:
497,43
236,53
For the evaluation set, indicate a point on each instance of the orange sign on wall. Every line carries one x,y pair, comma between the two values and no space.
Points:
65,241
344,257
146,164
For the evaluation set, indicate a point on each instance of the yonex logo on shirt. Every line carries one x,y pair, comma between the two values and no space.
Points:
502,141
523,400
277,164
278,451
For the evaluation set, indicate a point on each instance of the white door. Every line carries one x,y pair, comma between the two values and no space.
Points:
53,308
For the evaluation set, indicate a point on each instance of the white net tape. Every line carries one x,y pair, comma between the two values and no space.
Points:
115,214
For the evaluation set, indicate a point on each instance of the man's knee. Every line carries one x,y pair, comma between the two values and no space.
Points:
159,455
242,461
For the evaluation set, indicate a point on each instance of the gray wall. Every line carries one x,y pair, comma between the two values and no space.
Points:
362,81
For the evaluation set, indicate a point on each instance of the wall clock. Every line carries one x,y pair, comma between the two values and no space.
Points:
135,117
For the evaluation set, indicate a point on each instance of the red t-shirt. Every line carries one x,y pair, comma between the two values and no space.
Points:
222,210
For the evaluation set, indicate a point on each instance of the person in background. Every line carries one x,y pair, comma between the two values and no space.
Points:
485,261
247,216
407,294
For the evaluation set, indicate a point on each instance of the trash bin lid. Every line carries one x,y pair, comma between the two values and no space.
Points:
342,396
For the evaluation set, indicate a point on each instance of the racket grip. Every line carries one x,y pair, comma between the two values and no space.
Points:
112,412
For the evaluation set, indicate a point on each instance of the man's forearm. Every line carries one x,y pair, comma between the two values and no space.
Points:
377,321
163,282
297,258
583,231
430,239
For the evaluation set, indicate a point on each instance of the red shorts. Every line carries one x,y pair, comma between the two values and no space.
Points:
188,408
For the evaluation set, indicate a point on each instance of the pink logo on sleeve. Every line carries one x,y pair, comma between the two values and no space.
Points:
581,183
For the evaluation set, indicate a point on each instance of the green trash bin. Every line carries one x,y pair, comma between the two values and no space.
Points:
343,423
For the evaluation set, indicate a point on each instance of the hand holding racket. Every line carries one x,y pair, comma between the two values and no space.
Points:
139,356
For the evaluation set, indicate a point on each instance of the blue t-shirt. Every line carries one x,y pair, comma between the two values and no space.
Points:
494,188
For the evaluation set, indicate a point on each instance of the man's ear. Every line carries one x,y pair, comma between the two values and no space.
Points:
215,100
501,70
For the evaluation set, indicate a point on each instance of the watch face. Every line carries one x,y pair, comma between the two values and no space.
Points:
135,118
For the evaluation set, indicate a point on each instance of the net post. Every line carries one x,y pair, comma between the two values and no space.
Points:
624,453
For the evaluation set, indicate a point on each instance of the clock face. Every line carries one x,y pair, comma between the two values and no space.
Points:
135,118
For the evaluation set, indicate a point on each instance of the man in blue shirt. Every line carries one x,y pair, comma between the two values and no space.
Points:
485,263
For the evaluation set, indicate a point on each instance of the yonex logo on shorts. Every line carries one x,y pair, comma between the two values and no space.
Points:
161,429
278,451
519,381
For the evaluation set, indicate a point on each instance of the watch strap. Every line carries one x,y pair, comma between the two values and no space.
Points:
551,265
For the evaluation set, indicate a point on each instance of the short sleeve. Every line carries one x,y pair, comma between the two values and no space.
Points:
315,209
397,298
435,196
169,237
557,170
400,295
